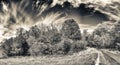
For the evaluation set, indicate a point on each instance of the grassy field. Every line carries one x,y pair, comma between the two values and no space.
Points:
90,56
81,58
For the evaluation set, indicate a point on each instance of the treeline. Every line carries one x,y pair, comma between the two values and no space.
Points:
51,40
106,35
45,40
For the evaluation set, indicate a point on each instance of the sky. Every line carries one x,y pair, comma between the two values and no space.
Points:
25,13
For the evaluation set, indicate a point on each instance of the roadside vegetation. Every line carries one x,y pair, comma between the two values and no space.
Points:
42,39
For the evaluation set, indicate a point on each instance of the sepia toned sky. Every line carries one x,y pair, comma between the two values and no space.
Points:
25,13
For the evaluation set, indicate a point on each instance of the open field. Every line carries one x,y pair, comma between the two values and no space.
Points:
81,58
88,57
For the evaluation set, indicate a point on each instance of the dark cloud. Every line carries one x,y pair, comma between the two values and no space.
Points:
81,14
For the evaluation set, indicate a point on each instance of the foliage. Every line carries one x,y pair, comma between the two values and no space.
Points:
71,30
46,40
106,35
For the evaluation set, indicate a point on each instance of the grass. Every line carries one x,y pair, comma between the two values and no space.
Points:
86,57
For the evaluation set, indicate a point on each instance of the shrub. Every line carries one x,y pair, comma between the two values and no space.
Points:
3,52
6,45
31,40
15,46
66,46
69,46
37,49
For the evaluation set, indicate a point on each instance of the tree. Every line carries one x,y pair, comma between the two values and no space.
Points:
71,30
115,32
47,35
34,31
102,36
107,41
22,33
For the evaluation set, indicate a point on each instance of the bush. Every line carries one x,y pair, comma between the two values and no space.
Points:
37,49
31,40
69,46
4,49
66,46
15,46
6,45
